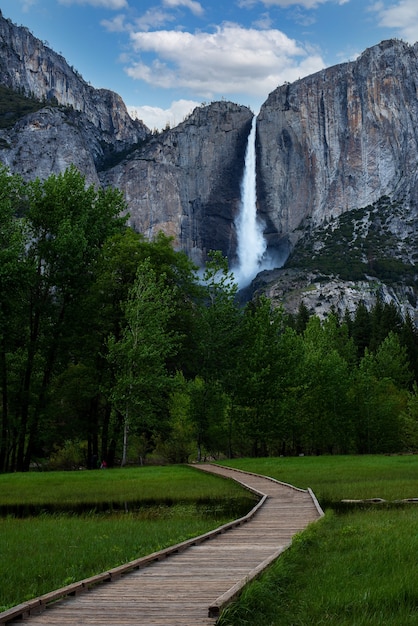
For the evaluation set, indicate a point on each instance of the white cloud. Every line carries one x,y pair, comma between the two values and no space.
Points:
307,4
195,7
155,117
153,18
231,60
102,4
115,25
27,5
263,22
402,16
284,4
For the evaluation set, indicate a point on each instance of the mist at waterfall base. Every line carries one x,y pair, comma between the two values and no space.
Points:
252,254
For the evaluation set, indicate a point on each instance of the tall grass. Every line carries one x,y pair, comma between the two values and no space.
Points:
353,568
43,553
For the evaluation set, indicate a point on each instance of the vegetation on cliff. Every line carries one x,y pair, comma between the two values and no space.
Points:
14,106
359,243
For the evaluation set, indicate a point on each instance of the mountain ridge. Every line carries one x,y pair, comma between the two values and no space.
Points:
327,145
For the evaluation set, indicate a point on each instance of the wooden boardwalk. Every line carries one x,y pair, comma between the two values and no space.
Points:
189,584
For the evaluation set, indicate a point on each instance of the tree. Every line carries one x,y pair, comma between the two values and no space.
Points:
262,377
65,226
323,401
139,356
14,275
217,346
179,445
409,422
380,396
302,318
361,328
390,361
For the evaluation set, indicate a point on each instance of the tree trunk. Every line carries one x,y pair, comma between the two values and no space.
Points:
125,439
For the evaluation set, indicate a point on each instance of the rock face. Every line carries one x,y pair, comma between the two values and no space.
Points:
328,146
340,139
47,141
186,181
32,68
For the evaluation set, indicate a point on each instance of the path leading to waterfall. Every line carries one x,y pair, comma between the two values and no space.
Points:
188,584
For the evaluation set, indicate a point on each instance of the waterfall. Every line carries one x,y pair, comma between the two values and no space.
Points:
251,245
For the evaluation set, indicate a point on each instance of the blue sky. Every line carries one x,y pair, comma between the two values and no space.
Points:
166,56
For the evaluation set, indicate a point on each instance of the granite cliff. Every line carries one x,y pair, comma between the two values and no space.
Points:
337,175
186,181
337,156
74,122
340,139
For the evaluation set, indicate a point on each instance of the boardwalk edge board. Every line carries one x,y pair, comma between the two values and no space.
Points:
316,503
229,596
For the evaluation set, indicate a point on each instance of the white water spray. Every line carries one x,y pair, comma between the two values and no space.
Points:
251,245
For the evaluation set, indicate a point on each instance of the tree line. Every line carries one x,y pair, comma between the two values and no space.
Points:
112,347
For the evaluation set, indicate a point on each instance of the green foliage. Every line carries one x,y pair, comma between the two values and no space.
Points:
179,445
369,246
71,456
139,355
409,421
14,106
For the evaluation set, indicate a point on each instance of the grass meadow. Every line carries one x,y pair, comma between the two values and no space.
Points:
357,566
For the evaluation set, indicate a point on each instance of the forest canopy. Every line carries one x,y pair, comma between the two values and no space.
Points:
112,348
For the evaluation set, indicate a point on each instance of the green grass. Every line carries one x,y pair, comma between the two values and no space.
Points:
354,568
334,478
44,552
147,484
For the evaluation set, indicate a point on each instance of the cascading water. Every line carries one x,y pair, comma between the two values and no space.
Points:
251,245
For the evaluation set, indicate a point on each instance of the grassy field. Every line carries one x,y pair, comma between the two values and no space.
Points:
152,484
353,567
334,478
47,551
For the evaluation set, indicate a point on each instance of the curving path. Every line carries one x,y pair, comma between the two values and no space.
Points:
188,584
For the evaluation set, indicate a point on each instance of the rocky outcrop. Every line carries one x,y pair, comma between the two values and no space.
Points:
186,181
28,66
340,139
49,140
320,293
